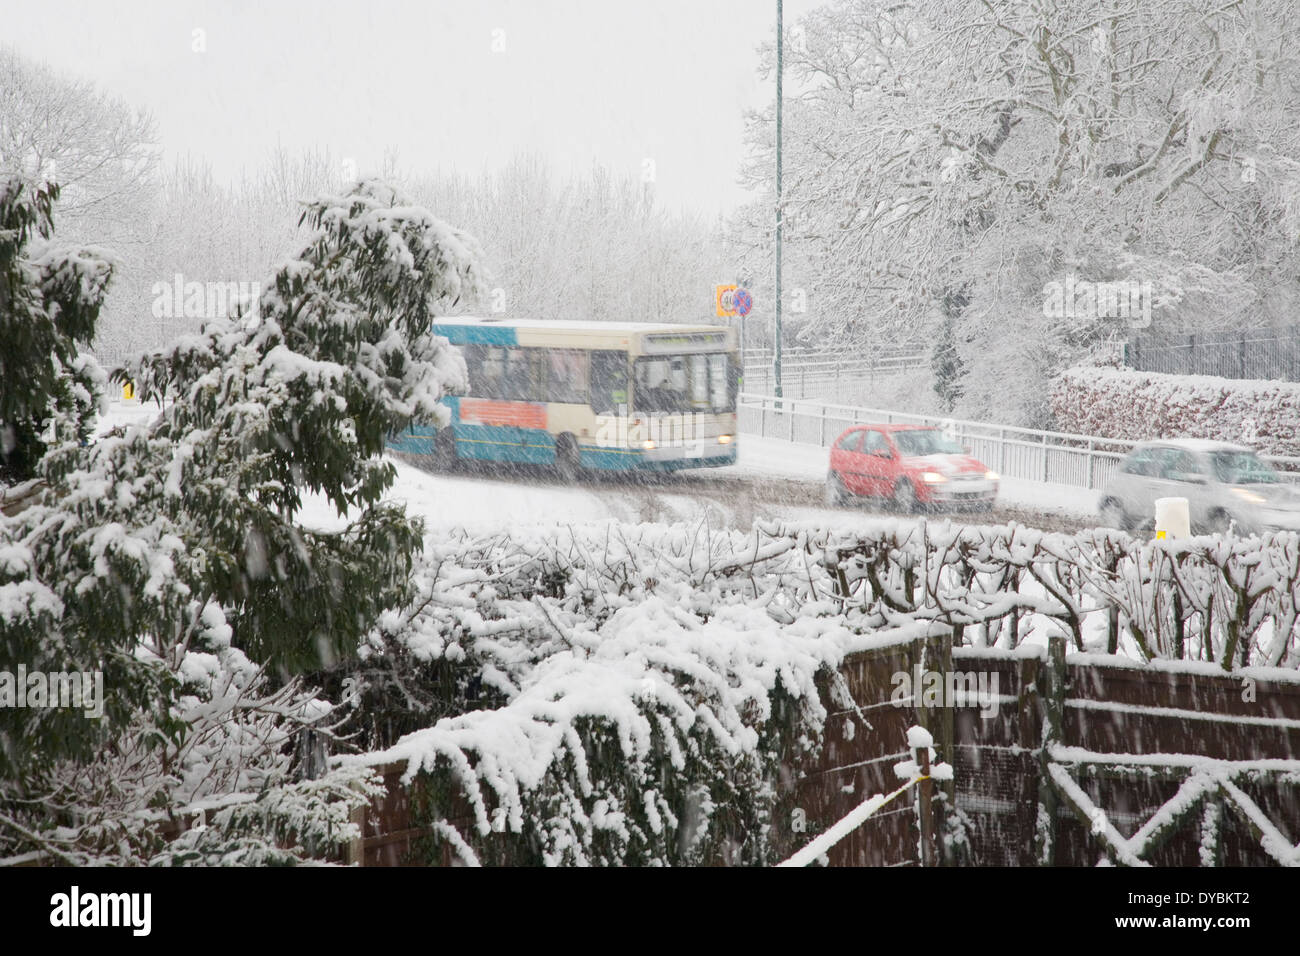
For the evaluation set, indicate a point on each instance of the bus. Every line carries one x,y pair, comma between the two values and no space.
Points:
587,396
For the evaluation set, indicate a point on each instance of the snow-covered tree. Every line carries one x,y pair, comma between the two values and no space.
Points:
50,299
995,149
167,556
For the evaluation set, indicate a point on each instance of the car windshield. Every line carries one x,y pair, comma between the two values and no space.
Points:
925,441
1243,468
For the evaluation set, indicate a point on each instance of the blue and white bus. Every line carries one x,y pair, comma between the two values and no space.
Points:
598,396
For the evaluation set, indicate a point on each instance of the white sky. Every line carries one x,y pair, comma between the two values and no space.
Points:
579,80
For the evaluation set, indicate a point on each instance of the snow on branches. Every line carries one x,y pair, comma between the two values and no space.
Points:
617,694
1122,403
166,556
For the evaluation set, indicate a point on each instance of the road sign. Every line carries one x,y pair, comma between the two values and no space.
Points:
742,301
723,296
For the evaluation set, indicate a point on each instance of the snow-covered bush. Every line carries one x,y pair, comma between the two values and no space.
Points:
1122,403
222,787
164,554
648,694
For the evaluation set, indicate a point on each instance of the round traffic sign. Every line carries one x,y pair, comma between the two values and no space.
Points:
742,301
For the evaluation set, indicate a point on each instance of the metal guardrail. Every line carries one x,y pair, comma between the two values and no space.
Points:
1086,461
802,377
760,356
1257,353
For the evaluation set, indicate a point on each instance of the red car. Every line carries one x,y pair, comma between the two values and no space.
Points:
912,466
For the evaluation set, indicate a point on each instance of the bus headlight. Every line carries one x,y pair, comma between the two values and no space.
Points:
724,439
991,476
932,478
648,444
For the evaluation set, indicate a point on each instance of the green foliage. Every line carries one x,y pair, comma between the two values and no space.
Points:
159,550
49,302
298,396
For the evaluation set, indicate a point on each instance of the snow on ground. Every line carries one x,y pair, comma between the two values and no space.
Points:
475,504
121,412
774,458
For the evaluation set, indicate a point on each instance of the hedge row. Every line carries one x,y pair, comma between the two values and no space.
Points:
1121,403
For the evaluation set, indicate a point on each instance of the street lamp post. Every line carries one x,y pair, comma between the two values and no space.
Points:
780,44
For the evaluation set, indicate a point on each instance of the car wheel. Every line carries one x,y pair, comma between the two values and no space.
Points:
1113,515
836,494
568,462
1218,522
904,497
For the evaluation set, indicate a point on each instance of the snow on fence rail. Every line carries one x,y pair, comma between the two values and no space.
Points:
1086,461
920,772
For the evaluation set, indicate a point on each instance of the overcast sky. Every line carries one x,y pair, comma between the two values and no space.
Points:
578,80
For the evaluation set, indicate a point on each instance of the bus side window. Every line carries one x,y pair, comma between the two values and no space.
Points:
486,365
516,384
568,376
609,383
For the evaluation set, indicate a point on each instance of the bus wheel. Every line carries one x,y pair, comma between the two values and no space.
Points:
444,450
568,463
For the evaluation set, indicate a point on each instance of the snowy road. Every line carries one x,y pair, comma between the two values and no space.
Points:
773,480
770,484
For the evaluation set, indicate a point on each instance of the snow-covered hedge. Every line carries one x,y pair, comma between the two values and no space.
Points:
1122,403
634,694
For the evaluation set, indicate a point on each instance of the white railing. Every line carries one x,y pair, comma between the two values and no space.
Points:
805,376
1086,461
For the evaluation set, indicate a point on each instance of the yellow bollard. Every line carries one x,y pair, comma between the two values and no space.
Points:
128,391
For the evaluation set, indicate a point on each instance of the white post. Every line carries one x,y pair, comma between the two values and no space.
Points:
1173,518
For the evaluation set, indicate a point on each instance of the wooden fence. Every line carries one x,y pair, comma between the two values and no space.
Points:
1057,761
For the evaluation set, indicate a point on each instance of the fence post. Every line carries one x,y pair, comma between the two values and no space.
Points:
925,807
822,438
1002,445
762,415
1044,457
790,413
1089,484
1052,697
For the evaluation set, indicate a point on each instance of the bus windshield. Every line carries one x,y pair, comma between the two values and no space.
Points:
684,383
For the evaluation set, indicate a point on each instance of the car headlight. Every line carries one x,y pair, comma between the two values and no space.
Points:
991,475
648,444
933,478
1250,496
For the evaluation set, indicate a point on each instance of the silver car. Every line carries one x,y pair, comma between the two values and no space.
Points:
1224,485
